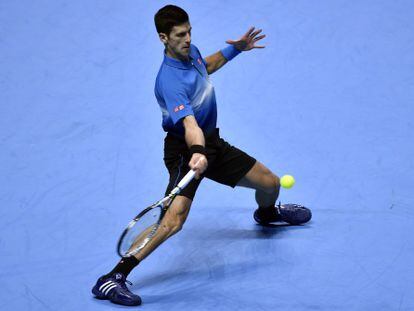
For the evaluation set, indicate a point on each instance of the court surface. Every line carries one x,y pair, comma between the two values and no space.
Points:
329,100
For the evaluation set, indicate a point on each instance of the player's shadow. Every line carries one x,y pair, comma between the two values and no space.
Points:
207,239
270,231
182,285
187,282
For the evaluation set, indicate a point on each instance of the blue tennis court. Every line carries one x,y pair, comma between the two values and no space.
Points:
329,101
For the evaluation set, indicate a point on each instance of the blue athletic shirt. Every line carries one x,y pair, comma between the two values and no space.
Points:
183,88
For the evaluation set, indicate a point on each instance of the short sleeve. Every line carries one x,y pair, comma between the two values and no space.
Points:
200,56
176,100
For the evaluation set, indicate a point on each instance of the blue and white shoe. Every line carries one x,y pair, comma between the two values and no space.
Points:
293,214
113,288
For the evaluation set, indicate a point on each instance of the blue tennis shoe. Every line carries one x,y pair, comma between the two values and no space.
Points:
293,214
113,288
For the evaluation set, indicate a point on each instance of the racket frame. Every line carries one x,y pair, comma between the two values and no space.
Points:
159,204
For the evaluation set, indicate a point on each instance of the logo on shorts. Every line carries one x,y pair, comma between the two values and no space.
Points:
178,108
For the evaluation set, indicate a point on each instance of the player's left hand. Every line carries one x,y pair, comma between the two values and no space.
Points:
248,40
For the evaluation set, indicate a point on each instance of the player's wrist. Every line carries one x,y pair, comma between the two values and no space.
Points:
198,149
230,52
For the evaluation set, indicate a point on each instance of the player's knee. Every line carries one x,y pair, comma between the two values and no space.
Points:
174,229
272,183
176,215
174,225
177,228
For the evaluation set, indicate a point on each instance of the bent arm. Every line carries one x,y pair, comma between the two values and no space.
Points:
194,137
217,60
193,133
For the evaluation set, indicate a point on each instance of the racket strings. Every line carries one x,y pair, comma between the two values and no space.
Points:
141,232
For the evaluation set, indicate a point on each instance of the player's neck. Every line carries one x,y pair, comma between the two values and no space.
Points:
171,54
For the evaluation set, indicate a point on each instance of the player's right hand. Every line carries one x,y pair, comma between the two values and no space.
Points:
198,163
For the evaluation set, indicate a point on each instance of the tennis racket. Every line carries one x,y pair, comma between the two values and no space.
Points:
144,226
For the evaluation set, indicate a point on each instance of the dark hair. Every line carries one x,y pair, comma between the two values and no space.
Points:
168,17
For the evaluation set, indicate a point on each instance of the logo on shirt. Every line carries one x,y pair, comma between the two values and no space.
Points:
178,108
199,61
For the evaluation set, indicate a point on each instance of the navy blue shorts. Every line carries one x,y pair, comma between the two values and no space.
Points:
227,164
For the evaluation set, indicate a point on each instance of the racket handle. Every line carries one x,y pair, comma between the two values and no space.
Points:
185,181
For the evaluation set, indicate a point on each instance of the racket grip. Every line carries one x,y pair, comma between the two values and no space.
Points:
185,181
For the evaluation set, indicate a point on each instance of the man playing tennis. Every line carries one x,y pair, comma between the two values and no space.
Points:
186,97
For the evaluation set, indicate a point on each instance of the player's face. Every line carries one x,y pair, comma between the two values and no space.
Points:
178,41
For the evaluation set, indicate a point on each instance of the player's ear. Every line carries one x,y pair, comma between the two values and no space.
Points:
163,37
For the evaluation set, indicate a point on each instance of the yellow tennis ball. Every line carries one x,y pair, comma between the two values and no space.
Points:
287,181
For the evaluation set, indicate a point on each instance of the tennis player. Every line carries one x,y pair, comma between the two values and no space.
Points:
187,100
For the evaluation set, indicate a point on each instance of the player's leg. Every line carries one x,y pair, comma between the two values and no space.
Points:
176,161
172,222
112,285
266,184
173,219
234,167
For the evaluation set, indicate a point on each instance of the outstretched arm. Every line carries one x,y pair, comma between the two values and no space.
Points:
245,43
215,62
